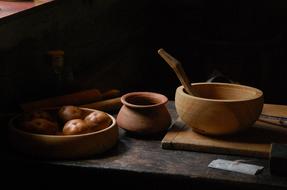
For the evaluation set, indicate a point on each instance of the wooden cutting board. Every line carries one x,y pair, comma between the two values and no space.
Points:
255,141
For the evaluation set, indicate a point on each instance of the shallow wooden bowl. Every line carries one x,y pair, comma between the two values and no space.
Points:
219,108
63,146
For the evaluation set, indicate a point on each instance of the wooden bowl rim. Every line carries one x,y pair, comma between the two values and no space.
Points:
13,127
259,93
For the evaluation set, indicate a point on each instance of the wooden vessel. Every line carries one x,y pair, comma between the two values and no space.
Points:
219,108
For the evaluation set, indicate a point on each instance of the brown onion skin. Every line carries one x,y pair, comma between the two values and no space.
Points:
74,120
75,127
67,113
98,120
38,114
40,126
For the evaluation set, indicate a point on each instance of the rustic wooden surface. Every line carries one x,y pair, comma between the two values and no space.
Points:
254,142
140,163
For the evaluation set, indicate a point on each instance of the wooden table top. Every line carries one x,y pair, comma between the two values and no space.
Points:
144,158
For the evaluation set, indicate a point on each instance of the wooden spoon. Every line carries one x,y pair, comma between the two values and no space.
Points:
176,66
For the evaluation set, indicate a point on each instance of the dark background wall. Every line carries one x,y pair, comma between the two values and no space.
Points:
114,43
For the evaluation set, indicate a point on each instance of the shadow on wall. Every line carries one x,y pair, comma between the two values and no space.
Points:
245,41
114,43
102,41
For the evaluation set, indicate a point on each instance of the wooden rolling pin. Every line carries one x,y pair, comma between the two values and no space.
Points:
105,105
77,98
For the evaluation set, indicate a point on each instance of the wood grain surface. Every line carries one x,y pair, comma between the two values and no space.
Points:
139,163
255,141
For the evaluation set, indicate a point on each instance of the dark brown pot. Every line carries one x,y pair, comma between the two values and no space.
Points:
144,113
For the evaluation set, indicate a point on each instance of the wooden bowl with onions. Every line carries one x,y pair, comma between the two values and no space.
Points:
52,134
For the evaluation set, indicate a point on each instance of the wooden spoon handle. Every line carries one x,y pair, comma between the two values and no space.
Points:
176,66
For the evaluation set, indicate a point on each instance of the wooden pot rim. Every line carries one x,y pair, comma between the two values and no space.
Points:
156,99
258,93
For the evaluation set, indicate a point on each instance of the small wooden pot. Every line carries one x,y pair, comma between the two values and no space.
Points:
144,113
219,108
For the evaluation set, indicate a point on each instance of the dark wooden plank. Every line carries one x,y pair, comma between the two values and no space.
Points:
278,159
145,158
255,142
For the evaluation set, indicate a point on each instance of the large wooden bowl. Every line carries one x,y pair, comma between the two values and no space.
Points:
219,108
63,146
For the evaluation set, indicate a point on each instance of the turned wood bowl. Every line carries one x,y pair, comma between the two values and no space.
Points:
219,108
63,146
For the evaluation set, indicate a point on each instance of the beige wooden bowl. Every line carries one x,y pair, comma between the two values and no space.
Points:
219,108
63,146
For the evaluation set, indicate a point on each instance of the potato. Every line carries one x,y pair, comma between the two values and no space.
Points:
72,117
75,126
38,114
67,113
97,120
40,126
